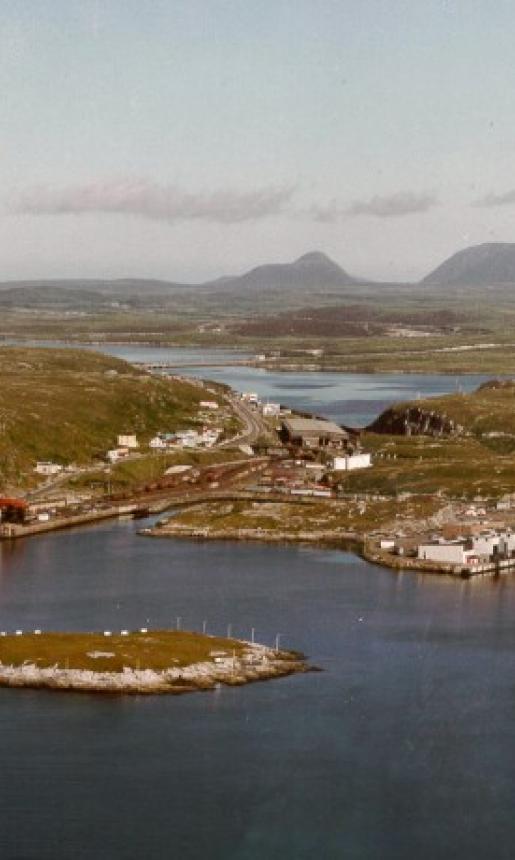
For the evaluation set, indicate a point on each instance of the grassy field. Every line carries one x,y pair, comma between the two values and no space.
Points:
296,519
475,318
157,650
454,468
472,456
68,406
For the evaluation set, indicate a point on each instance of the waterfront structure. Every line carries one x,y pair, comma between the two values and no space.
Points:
485,547
12,510
446,552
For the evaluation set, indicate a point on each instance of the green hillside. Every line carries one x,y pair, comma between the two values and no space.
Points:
458,445
69,405
487,414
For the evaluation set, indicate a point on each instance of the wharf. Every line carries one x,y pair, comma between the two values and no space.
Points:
375,555
10,531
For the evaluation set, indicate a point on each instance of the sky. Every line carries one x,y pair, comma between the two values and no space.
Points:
187,139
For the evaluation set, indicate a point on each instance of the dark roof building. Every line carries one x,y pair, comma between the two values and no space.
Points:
313,433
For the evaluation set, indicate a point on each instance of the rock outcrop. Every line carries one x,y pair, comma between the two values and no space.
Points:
414,421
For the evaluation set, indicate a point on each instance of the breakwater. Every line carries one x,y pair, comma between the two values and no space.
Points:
9,531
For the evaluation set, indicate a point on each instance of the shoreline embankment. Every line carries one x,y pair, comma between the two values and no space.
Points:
354,542
12,531
257,663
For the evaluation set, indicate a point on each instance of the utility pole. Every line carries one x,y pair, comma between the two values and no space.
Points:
178,622
229,631
204,626
277,640
252,634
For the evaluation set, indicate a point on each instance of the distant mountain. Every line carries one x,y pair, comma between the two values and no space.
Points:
120,287
50,296
477,266
311,270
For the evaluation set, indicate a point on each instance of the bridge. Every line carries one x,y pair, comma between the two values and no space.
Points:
174,365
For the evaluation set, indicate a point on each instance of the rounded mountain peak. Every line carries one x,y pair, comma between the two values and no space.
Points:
315,258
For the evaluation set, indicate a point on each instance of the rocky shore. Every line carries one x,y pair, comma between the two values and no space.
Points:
323,537
256,663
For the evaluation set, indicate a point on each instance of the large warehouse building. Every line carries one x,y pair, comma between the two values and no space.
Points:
313,433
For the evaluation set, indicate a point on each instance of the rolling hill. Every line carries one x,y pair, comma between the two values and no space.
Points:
311,271
478,266
69,405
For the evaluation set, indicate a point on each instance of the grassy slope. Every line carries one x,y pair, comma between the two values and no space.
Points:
454,468
489,409
157,649
472,464
63,405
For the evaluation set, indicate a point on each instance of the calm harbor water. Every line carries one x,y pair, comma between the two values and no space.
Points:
352,398
401,747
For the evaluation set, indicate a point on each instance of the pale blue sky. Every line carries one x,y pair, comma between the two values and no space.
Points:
189,139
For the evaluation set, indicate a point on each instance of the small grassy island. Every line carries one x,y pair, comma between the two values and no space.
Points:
158,661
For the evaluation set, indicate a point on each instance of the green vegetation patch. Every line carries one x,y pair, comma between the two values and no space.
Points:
295,519
68,406
157,650
455,468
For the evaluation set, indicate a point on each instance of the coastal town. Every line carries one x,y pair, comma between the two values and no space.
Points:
252,469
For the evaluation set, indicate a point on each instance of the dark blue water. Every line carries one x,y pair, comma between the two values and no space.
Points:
402,747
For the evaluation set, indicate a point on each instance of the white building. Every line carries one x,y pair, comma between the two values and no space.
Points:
250,397
46,467
127,440
209,437
163,441
157,442
482,548
271,410
208,404
188,438
446,552
116,454
353,461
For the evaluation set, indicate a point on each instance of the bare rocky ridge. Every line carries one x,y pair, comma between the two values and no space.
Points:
413,421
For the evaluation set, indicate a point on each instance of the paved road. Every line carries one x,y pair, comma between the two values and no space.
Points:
254,424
